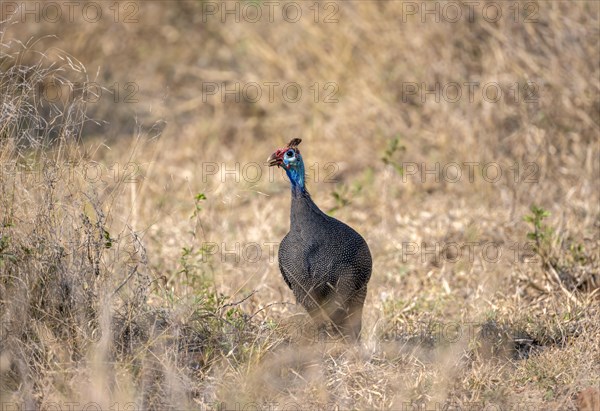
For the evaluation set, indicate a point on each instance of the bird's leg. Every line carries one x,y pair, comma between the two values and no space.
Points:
353,322
320,321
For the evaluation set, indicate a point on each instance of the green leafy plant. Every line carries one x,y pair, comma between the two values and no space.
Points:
544,238
391,153
108,241
343,194
341,199
4,245
195,262
542,234
198,199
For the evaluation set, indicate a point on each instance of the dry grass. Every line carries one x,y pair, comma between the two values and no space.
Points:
128,273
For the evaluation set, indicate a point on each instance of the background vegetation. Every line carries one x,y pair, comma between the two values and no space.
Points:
139,224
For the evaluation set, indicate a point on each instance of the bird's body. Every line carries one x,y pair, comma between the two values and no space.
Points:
326,263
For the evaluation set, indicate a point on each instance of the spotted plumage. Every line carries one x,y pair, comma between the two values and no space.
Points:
326,263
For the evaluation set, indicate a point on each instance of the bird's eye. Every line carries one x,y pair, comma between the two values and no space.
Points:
289,153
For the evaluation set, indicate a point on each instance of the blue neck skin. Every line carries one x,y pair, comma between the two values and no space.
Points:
296,175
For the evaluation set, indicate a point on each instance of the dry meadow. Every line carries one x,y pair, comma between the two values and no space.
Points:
139,223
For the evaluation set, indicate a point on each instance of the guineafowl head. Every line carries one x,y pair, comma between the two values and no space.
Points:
290,160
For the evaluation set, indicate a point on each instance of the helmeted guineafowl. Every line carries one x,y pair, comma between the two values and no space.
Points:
326,263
